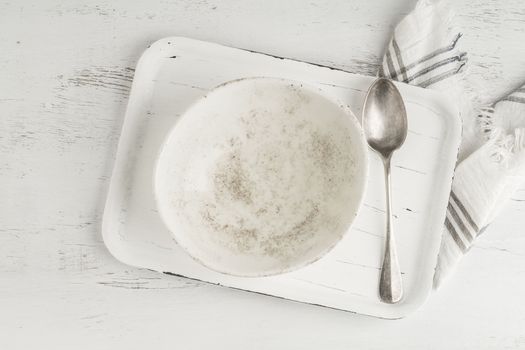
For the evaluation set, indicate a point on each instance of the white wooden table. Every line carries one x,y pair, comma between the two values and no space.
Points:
65,73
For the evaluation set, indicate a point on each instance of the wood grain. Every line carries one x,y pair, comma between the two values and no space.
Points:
64,73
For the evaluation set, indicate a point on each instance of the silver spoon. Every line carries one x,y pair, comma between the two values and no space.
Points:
385,127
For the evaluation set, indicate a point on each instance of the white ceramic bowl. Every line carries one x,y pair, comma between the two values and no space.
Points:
261,176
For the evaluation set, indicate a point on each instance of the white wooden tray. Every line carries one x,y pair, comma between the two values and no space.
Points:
174,72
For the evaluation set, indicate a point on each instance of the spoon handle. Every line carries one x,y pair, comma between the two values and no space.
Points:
390,285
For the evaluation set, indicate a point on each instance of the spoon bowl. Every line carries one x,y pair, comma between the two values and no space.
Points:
384,117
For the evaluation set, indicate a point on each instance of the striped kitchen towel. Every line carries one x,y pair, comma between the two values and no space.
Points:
425,51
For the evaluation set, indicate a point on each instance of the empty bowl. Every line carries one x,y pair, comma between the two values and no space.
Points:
261,176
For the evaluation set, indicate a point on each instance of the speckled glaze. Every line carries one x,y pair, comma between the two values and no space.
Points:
261,176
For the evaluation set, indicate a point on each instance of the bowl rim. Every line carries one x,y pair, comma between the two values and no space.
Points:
270,272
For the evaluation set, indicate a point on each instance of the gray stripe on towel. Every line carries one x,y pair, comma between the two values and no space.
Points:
402,68
514,99
455,235
430,55
457,58
390,65
464,229
440,77
464,211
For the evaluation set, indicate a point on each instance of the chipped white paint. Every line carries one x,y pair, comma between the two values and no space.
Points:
347,278
59,288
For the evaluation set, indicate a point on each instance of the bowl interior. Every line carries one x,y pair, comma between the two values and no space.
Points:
261,176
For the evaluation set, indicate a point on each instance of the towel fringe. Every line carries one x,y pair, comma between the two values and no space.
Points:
507,149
